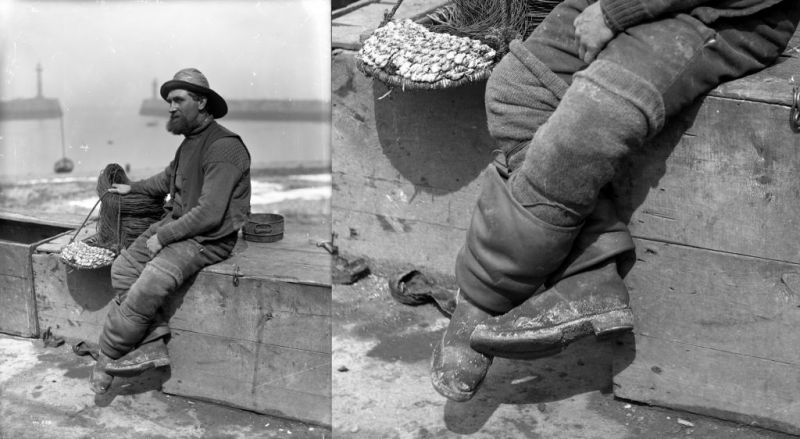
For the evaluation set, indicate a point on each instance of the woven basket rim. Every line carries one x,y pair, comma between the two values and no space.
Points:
89,241
405,83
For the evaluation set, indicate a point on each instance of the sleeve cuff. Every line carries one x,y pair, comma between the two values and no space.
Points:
165,237
622,14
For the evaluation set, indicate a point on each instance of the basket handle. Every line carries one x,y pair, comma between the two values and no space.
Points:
87,217
387,16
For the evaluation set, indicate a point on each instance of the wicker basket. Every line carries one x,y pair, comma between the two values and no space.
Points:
103,257
494,23
86,255
393,80
390,71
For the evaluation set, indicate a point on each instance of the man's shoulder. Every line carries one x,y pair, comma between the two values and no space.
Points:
223,131
228,149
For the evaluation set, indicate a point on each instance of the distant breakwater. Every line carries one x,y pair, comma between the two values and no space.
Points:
32,108
257,109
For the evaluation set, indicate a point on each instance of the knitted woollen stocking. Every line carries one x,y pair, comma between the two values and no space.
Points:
521,94
604,115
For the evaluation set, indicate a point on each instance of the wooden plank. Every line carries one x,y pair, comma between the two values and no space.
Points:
401,201
434,139
393,244
336,13
407,168
308,265
73,303
15,259
728,183
257,310
17,310
771,85
56,243
706,320
743,305
301,260
346,30
749,390
264,378
52,220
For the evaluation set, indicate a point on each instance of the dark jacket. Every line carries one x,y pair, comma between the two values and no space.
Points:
622,14
209,186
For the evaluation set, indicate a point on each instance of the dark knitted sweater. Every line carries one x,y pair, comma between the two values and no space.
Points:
622,14
209,184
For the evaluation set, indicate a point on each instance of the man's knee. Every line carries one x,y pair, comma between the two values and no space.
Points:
150,291
124,272
521,94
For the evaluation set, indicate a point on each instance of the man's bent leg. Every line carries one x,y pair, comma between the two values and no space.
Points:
124,272
701,60
585,295
128,325
521,95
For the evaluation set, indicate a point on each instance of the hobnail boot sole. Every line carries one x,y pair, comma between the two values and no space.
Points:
138,369
543,342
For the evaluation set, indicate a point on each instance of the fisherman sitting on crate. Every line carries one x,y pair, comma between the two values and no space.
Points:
209,186
566,106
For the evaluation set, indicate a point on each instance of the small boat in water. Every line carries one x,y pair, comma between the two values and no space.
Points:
63,166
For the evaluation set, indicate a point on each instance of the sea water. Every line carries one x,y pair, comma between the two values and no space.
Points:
94,138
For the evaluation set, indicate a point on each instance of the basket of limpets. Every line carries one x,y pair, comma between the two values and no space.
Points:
406,54
85,254
456,44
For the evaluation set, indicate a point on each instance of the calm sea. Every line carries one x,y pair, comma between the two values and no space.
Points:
95,137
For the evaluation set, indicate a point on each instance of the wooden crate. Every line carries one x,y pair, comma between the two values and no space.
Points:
72,303
712,203
264,345
19,235
261,343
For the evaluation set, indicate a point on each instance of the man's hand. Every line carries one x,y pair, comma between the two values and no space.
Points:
592,32
154,245
118,188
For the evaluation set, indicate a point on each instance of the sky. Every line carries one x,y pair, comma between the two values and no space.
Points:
96,53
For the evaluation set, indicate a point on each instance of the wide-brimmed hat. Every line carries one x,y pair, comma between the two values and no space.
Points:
190,79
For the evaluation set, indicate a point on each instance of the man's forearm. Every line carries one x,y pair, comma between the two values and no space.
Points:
155,186
622,14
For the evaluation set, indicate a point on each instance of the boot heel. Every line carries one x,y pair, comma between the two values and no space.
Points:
611,323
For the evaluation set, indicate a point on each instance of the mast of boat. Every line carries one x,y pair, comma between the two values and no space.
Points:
63,146
39,80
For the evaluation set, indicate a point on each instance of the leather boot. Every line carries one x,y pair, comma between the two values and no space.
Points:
147,356
507,256
586,296
100,380
456,370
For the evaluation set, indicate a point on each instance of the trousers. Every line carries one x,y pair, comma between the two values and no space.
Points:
592,115
567,126
146,283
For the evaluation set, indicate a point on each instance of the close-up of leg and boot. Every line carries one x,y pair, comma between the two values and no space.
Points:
133,339
586,296
540,254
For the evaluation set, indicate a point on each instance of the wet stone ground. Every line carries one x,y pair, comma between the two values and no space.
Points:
44,393
381,385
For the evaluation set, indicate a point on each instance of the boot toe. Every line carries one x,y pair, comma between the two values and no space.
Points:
100,380
458,372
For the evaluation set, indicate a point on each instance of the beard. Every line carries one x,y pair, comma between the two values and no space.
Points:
180,125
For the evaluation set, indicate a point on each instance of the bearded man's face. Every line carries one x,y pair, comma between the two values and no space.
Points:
184,112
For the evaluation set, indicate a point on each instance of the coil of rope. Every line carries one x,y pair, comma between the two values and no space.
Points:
123,217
